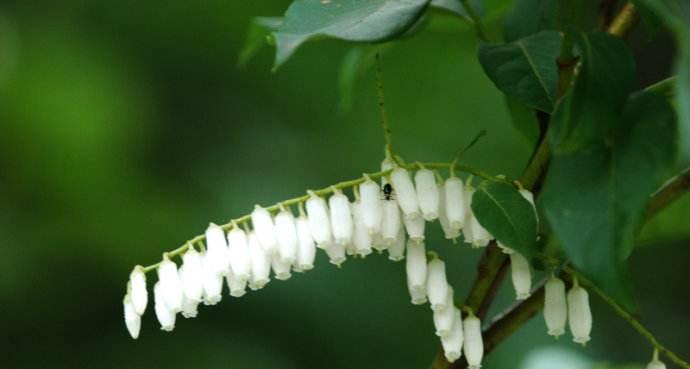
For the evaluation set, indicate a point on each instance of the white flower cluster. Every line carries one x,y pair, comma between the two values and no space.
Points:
573,307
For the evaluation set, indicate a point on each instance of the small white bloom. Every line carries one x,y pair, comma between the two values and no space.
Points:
192,275
336,253
286,231
264,228
372,210
521,275
260,261
213,282
361,240
165,316
217,249
396,251
656,363
453,342
319,221
455,202
415,268
341,218
306,251
449,232
391,224
474,345
238,249
445,318
170,284
480,237
236,285
138,293
189,308
555,307
132,318
427,193
415,228
579,314
405,192
281,269
437,284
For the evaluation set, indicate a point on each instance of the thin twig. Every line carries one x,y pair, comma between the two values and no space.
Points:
382,108
669,192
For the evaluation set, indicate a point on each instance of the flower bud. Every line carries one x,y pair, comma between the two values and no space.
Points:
238,249
656,363
336,253
281,269
286,232
132,319
170,285
416,271
555,308
437,284
260,262
237,285
319,221
390,225
192,275
213,282
579,314
405,192
427,193
165,316
520,273
217,250
306,251
455,202
361,239
449,232
396,251
264,228
445,318
138,293
372,210
453,342
189,308
415,228
341,218
474,345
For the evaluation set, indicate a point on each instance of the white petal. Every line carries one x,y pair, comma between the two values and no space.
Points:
238,247
474,345
437,284
138,293
132,318
217,249
213,282
555,307
415,268
170,284
455,202
579,314
260,262
656,363
391,223
281,269
319,220
396,251
264,228
449,232
336,253
286,231
341,218
307,250
445,318
480,236
192,275
405,192
415,228
189,308
521,275
427,194
453,342
165,316
361,239
372,210
236,285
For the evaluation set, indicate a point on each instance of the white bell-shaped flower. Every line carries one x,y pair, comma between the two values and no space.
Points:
170,284
555,307
474,344
262,221
437,284
455,202
238,247
396,251
405,192
192,275
341,218
386,164
453,341
372,209
306,251
165,315
132,318
138,293
579,314
212,281
416,270
391,223
361,240
427,193
281,269
286,231
319,220
260,262
217,250
237,285
480,237
449,232
189,307
415,228
656,363
445,318
521,275
336,253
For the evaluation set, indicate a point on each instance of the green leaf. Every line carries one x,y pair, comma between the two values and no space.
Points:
595,198
356,61
529,17
510,218
598,95
455,7
351,20
526,69
524,120
259,30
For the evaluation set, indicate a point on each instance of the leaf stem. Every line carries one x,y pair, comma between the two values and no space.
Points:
624,21
476,20
669,192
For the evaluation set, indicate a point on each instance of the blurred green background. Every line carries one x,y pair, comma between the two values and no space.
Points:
125,127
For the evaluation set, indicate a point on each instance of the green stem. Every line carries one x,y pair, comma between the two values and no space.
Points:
382,109
669,192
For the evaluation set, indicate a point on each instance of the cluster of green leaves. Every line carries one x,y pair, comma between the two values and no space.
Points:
611,146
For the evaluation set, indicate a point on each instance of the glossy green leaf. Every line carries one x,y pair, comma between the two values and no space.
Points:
524,120
596,100
526,69
594,198
259,30
510,218
356,61
351,20
529,17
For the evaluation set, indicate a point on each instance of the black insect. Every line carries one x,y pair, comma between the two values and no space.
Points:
387,191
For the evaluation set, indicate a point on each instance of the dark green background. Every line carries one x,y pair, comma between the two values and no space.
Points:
125,127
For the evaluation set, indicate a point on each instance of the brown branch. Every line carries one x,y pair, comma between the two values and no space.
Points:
669,193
